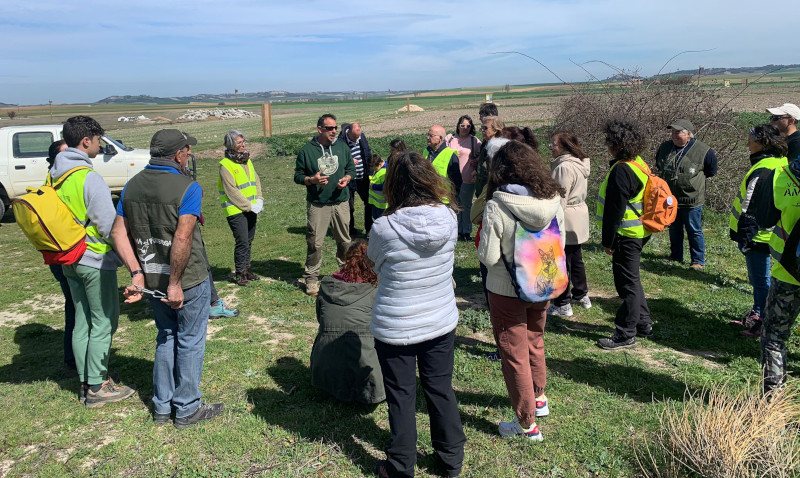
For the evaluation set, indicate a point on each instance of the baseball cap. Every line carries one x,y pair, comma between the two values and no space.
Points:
786,109
680,124
167,142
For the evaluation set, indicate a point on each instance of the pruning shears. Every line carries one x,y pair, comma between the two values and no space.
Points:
157,294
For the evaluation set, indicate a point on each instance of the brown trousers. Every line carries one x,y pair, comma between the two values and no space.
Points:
320,218
518,328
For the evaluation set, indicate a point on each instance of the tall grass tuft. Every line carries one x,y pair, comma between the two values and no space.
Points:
722,432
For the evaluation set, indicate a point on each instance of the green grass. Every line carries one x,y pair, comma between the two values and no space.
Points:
276,424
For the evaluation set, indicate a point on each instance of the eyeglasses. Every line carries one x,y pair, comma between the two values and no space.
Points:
484,128
329,128
778,118
239,143
431,135
464,126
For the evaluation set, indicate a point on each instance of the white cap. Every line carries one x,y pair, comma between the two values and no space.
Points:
786,109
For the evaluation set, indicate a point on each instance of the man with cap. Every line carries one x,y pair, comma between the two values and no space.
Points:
685,163
157,235
785,119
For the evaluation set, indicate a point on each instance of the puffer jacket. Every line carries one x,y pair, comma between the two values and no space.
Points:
573,174
413,250
499,226
343,359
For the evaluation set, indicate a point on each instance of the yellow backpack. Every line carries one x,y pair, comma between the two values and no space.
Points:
49,224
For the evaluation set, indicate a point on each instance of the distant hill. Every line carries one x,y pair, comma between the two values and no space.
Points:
6,105
744,70
261,96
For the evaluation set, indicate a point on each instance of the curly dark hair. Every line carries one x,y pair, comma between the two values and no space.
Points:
770,139
568,141
523,135
518,163
357,266
412,181
624,139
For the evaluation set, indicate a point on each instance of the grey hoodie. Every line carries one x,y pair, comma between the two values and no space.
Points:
99,206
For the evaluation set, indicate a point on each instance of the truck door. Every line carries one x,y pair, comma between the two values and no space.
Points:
28,165
110,166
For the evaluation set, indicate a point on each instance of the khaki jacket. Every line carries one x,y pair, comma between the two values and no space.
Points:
573,174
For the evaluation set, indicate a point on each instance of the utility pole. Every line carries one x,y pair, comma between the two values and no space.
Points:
51,108
236,95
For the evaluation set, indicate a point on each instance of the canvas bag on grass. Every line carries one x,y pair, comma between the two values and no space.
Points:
49,224
538,267
659,206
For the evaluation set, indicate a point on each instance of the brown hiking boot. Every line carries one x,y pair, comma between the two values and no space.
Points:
312,288
240,279
109,392
249,275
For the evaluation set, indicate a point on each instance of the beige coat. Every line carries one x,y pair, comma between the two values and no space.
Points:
573,175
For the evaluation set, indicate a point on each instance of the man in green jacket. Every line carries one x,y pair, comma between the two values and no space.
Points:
325,166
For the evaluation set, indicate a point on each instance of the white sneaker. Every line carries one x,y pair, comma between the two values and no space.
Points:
584,302
514,429
562,311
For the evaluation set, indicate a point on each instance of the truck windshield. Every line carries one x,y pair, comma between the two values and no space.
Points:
117,143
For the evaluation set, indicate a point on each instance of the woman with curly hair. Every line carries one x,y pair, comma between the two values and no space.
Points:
768,151
343,358
619,206
519,189
415,316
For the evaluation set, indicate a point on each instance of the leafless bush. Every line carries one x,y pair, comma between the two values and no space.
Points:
654,104
724,433
11,114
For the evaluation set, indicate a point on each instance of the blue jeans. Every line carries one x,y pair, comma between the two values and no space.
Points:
690,220
758,274
465,201
180,348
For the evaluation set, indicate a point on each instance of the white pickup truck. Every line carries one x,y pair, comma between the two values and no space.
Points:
23,160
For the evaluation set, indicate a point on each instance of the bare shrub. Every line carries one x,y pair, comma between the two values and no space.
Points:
11,114
720,432
654,104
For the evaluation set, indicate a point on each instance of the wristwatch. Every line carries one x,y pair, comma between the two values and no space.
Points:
138,271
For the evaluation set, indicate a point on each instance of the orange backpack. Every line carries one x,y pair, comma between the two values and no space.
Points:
659,206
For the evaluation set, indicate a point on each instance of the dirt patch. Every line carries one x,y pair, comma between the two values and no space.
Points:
409,108
10,318
278,337
647,355
211,330
49,303
474,301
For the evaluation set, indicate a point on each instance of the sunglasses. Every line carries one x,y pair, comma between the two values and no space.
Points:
464,126
484,128
778,118
329,128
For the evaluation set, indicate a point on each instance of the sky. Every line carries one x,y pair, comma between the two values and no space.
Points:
81,52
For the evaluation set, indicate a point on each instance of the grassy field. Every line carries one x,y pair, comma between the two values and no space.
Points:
276,424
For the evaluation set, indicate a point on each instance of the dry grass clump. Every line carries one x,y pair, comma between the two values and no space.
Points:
653,104
724,433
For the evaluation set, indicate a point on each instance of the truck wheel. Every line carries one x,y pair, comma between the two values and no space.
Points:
5,203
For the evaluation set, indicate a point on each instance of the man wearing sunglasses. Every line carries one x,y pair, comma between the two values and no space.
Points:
325,167
685,163
785,119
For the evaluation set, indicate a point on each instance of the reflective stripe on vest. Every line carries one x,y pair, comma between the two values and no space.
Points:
631,225
786,194
245,183
377,198
71,192
440,164
763,235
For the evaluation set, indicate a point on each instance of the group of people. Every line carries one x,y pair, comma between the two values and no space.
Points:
393,297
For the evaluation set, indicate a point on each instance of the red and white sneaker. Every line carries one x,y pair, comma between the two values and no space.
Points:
514,429
542,410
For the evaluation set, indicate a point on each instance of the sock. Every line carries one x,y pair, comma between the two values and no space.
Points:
96,388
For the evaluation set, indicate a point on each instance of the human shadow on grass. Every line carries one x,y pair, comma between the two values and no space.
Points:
313,414
41,358
623,379
656,264
278,269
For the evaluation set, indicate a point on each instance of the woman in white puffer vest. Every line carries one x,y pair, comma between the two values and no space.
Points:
414,315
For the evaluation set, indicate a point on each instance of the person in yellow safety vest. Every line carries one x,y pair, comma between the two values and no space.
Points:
93,279
240,197
376,197
767,153
619,205
776,203
444,159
